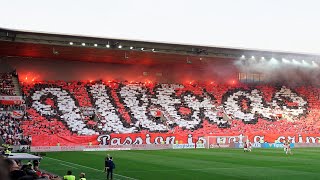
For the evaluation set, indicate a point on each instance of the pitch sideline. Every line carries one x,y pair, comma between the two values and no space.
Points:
89,167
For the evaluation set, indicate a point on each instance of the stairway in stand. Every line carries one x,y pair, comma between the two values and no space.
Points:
17,88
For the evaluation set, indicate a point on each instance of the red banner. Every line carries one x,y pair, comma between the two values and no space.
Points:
54,140
160,138
9,100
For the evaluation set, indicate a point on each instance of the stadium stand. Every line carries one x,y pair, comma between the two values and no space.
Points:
122,107
6,84
60,108
11,130
14,170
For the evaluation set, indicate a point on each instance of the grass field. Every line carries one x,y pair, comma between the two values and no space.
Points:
261,164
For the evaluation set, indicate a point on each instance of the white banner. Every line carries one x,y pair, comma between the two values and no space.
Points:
10,98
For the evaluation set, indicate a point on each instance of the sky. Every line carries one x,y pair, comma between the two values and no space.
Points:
278,25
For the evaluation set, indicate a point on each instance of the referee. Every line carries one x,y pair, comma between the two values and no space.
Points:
108,167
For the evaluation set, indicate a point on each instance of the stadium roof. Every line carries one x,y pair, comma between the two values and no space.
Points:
94,49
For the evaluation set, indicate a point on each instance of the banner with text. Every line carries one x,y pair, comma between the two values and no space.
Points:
100,147
164,138
10,100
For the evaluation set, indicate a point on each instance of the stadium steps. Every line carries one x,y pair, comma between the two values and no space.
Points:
17,87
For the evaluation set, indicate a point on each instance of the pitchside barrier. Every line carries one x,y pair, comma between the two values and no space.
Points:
163,146
306,145
101,147
188,146
115,147
264,145
20,148
224,141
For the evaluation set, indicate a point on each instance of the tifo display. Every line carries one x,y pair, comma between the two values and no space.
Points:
78,113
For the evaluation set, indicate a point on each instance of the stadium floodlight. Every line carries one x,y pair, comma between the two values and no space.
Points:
252,57
314,64
295,62
142,49
285,61
120,46
273,61
95,45
108,46
262,58
71,43
83,44
131,47
304,63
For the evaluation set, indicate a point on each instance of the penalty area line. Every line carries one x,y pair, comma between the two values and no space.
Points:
89,168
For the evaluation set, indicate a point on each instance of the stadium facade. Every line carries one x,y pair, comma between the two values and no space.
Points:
89,91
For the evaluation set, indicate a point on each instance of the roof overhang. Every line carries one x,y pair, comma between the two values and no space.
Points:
94,49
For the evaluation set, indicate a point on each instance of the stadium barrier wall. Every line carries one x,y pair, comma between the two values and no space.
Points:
159,138
188,146
20,148
305,145
161,146
232,145
265,145
100,147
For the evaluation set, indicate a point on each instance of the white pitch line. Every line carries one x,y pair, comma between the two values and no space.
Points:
199,169
68,166
90,168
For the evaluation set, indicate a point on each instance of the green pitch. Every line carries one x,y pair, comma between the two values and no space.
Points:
222,164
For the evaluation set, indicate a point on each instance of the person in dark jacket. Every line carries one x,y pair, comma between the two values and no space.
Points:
109,166
14,170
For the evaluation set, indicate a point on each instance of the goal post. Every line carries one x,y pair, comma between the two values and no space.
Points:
224,141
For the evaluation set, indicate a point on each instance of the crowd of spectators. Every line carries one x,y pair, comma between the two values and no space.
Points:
16,170
11,131
6,84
